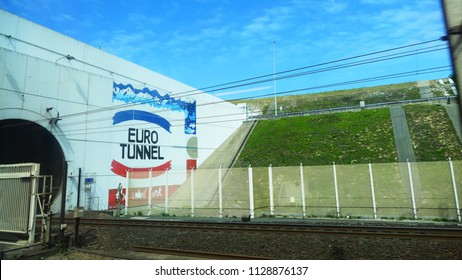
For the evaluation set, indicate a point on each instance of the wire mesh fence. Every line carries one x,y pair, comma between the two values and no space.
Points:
411,190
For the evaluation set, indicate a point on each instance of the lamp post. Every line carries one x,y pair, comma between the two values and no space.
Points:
274,81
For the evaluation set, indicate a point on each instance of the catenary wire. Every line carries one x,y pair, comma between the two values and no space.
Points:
75,132
387,57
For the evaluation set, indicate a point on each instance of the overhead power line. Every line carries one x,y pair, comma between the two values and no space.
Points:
211,88
289,74
109,129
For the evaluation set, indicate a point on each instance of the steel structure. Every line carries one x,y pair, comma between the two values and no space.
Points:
24,196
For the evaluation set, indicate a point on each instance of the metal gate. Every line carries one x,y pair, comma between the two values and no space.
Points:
24,194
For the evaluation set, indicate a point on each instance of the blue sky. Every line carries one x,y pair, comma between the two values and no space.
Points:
204,43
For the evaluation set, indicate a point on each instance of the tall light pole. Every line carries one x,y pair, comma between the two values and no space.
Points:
274,81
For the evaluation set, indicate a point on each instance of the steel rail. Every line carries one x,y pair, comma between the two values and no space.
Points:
198,254
358,230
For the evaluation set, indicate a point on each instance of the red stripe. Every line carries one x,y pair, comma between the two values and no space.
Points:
139,172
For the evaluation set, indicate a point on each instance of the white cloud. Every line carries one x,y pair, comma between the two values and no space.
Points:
62,17
379,2
215,16
410,22
271,20
334,7
142,20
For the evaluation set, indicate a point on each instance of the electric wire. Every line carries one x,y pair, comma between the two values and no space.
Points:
238,115
110,129
384,77
220,86
279,77
208,88
362,62
337,67
331,68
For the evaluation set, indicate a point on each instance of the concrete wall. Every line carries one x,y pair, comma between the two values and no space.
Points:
111,115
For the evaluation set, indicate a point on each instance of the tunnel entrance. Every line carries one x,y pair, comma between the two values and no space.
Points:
23,141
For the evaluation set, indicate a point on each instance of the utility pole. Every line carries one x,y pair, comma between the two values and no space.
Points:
274,81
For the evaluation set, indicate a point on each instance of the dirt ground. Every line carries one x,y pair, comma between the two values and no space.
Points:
76,254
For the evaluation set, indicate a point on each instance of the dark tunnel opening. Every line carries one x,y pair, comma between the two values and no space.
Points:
23,141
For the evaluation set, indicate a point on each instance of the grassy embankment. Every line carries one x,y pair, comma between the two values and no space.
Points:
344,138
352,137
349,138
335,99
433,135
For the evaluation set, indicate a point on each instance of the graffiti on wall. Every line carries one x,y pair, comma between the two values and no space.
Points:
140,196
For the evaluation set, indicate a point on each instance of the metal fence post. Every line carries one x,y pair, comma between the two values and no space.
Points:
270,178
453,177
251,204
220,192
126,194
337,204
149,193
166,191
302,186
192,193
411,183
374,207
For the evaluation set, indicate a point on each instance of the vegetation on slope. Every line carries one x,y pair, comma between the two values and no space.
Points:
432,133
344,138
335,99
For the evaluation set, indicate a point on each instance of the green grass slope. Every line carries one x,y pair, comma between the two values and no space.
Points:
344,98
335,99
352,137
433,135
344,138
352,97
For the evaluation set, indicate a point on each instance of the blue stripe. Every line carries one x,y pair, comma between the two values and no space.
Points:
138,115
129,94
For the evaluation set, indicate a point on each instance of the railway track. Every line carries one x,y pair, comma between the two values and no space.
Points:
197,254
407,232
260,239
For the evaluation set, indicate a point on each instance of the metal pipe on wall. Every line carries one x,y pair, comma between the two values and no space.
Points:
63,210
77,218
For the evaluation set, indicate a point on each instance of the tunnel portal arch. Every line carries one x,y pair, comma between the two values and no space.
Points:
23,141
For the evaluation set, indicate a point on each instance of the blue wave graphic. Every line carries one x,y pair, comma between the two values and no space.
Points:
129,94
129,115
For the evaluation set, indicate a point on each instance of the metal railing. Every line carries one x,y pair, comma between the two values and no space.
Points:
448,99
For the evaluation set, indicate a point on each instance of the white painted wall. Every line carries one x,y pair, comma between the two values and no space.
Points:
35,75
